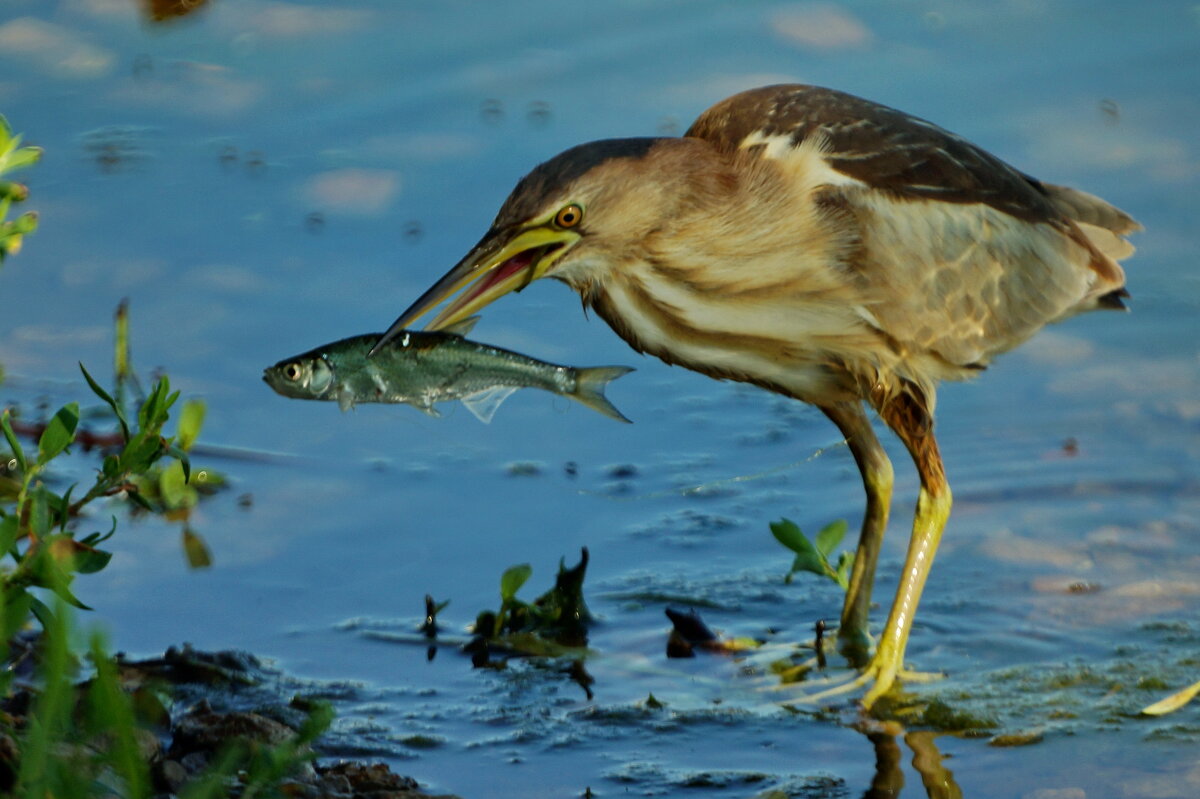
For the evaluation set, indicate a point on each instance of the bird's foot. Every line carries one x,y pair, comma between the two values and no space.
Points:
878,677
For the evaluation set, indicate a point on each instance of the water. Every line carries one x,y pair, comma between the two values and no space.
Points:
266,176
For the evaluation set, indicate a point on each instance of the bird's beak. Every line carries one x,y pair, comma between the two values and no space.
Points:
496,266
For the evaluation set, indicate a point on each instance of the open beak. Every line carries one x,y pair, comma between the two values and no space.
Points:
493,268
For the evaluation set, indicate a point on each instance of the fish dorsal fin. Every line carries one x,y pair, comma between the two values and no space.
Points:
463,327
484,403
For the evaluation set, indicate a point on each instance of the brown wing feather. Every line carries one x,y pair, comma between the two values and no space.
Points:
880,146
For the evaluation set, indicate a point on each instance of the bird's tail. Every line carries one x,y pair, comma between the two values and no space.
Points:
589,389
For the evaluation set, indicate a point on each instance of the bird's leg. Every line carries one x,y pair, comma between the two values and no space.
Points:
854,641
909,418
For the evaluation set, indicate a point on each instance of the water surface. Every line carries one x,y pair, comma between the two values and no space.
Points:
265,176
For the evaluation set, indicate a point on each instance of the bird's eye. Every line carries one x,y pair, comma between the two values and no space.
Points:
570,216
292,371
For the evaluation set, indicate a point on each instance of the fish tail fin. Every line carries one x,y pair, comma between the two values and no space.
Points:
589,389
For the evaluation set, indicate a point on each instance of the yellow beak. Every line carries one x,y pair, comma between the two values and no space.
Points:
491,269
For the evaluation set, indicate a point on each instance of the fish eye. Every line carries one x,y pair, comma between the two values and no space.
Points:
293,371
569,216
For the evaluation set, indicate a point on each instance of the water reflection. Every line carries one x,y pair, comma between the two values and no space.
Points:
888,781
169,10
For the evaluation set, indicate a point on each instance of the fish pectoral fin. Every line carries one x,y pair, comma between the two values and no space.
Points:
463,327
345,399
427,409
484,403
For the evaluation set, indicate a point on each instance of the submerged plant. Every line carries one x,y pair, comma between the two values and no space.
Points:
552,624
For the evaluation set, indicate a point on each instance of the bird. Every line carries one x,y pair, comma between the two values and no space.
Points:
823,247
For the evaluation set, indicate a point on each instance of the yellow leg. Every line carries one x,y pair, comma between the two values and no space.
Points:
932,512
854,641
908,417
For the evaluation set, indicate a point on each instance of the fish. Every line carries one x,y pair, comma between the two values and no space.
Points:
421,368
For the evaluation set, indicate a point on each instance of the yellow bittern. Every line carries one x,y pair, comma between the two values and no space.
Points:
820,246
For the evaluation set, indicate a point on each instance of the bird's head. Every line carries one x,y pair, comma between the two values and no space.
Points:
571,218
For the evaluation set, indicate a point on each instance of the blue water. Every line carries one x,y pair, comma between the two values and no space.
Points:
263,177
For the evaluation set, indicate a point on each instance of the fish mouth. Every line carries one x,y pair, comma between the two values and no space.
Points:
496,266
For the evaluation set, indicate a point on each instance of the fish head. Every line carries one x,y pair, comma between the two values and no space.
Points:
303,377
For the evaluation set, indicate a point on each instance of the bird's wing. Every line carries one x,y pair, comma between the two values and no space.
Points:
883,148
1005,255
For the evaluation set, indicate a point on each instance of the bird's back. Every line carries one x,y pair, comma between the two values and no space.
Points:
958,256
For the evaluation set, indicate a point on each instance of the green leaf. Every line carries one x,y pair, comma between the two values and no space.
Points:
513,578
19,158
830,536
15,611
191,418
41,612
137,499
93,539
8,533
39,512
807,558
141,452
59,432
121,365
176,494
184,461
64,508
13,444
112,403
60,588
788,533
90,561
17,192
25,224
48,572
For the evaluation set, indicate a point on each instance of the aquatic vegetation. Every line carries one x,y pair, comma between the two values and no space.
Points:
100,736
90,739
554,624
13,157
689,633
813,556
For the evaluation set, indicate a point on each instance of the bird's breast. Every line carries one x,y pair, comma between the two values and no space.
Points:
785,346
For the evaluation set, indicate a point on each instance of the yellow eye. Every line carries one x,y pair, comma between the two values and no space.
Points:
292,371
570,216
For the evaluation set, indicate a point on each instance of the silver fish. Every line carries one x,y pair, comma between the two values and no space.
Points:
420,368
